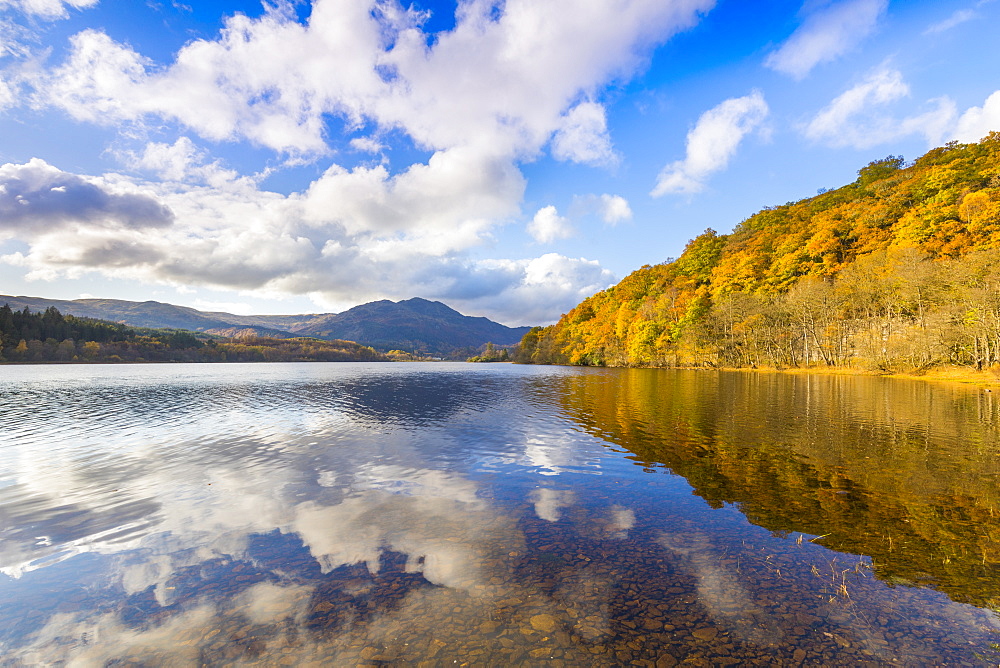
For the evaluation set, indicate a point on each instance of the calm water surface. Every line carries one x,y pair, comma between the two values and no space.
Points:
431,514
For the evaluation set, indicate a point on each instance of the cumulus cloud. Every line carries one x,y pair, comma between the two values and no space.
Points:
170,161
38,199
46,9
826,34
545,287
548,225
614,209
611,209
183,161
977,122
507,81
712,143
454,196
856,118
583,136
367,144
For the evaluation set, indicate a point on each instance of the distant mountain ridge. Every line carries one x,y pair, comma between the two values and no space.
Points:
412,325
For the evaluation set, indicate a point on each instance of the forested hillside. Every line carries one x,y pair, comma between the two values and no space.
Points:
898,270
50,336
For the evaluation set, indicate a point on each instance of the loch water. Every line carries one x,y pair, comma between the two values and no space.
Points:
493,515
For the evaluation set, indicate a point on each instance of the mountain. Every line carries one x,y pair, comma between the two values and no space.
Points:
414,324
411,325
137,314
899,270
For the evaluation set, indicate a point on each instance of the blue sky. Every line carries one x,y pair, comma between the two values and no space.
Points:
507,158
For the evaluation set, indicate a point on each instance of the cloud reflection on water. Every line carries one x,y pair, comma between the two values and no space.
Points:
198,494
719,589
550,502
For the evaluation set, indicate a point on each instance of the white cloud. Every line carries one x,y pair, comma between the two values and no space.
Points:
879,88
826,34
548,225
977,122
46,9
367,144
855,117
453,198
507,82
545,286
241,86
933,124
611,209
959,17
614,209
6,94
712,143
583,136
171,161
184,161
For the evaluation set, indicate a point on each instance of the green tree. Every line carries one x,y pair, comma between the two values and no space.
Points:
876,170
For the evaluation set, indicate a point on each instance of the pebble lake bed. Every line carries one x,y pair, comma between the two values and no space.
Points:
491,515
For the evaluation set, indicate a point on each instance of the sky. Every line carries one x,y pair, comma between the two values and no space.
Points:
506,158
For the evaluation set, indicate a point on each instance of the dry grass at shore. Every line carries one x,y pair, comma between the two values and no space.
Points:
987,378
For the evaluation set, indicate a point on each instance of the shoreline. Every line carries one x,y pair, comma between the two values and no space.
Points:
948,374
986,379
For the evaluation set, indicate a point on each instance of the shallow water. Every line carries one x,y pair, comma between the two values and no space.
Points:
431,514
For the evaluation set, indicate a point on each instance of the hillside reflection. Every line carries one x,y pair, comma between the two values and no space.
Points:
905,472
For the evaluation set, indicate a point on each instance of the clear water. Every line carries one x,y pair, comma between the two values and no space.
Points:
447,514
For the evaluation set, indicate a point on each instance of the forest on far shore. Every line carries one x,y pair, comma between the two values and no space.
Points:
50,336
897,271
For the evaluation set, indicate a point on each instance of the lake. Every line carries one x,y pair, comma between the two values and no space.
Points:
447,514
